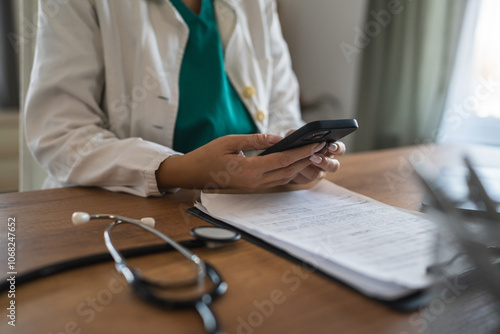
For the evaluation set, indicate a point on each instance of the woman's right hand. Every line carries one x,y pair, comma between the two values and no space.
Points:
220,164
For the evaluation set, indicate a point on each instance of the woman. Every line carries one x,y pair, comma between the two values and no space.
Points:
146,96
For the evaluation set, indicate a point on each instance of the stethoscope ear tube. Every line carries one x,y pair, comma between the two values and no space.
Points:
89,260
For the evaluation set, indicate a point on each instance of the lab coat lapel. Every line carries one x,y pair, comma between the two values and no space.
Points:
244,66
225,14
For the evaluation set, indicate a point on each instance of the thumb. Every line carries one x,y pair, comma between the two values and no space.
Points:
258,141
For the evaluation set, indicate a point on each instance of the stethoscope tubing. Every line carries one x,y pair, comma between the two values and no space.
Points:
84,261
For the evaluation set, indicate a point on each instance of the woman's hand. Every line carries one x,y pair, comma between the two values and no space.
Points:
321,162
220,164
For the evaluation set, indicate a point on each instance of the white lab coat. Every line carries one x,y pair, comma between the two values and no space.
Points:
103,97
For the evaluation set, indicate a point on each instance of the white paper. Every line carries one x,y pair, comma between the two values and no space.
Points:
378,249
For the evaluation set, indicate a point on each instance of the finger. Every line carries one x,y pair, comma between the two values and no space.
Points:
258,141
308,174
333,149
284,159
325,163
288,173
298,179
336,148
280,182
301,179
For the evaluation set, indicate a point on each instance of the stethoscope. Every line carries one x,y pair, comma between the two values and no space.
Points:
206,282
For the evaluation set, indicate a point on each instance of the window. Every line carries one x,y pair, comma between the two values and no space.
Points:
473,110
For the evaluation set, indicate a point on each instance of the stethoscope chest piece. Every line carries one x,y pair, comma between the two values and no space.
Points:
214,236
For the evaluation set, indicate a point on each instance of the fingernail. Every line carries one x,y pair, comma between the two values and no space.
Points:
319,147
333,147
316,158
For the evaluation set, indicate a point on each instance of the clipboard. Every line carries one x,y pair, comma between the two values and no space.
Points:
407,303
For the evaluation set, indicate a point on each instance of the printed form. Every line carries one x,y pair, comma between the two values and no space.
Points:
380,250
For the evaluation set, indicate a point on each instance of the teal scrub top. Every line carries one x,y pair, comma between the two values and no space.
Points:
209,106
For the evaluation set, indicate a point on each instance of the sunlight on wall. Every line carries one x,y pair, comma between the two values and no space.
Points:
472,114
486,66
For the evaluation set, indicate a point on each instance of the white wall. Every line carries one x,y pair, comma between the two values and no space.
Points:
314,30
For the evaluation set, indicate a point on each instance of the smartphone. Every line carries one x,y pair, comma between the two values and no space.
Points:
315,132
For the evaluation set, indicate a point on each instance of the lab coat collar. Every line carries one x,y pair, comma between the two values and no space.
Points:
225,13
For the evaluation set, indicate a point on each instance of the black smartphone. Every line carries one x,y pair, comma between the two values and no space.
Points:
315,132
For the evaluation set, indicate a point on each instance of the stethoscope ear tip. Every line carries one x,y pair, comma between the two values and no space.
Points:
148,221
79,218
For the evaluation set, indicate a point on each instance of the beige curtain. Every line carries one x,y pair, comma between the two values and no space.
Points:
409,48
31,175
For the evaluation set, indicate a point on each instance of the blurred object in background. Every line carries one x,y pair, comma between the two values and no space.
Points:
465,296
324,107
9,98
454,180
9,83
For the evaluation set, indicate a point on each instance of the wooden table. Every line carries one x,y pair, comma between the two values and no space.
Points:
267,294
